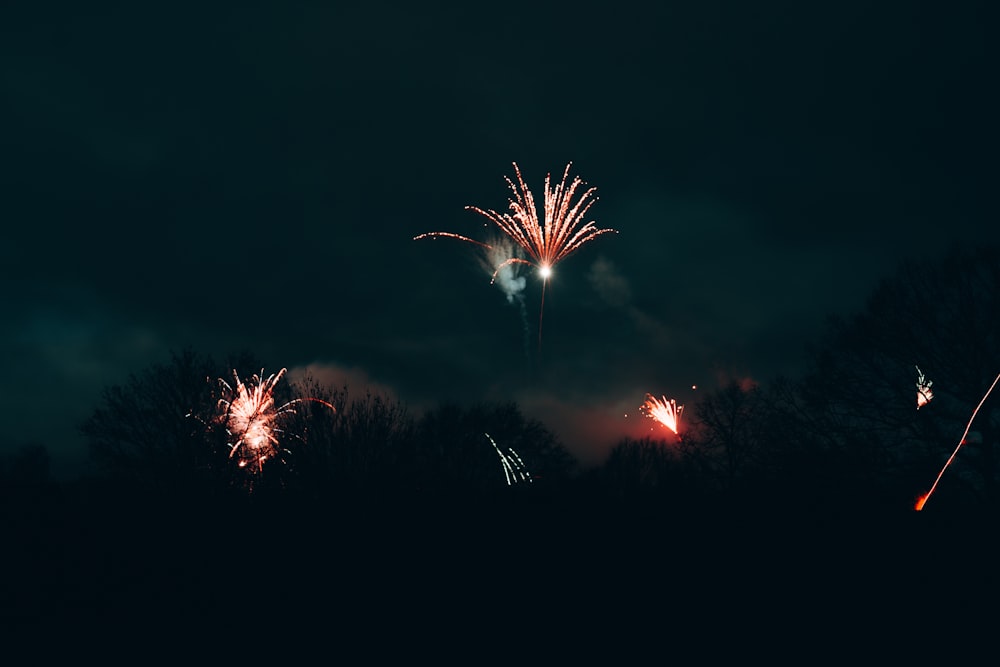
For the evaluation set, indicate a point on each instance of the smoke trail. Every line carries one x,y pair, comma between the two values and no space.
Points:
507,278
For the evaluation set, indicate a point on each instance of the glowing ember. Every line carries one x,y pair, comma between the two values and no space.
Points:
923,499
924,393
513,466
250,416
666,412
548,241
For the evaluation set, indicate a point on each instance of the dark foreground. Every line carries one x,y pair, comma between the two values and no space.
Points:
507,570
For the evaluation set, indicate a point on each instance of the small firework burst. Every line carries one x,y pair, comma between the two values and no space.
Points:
924,393
664,411
253,419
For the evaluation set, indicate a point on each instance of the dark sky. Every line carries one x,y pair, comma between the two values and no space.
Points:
250,176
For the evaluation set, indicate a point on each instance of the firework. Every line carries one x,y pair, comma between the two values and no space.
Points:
513,466
252,419
924,393
548,241
666,412
923,499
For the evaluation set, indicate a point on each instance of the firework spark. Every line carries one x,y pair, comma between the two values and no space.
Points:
666,412
922,500
513,466
253,420
924,393
548,241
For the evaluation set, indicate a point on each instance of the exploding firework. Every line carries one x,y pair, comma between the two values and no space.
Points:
924,393
664,411
513,467
548,241
249,413
922,500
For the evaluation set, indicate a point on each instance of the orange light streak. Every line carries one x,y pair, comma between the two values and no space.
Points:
923,499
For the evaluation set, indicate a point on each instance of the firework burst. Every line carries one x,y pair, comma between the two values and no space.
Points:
924,393
253,419
546,241
664,411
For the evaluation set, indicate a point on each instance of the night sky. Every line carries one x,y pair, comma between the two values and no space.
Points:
251,176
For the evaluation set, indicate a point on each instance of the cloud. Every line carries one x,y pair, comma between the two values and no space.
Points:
590,428
610,285
727,377
356,379
61,347
614,290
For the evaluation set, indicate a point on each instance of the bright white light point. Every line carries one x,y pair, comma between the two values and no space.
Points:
545,271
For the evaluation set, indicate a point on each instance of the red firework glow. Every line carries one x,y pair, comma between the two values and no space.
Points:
548,241
666,412
923,499
250,416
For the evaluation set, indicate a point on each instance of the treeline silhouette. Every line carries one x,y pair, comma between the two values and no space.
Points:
390,500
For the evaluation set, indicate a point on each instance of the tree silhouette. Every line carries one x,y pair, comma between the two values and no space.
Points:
27,467
644,469
27,490
159,431
729,435
858,398
454,450
141,432
364,449
164,430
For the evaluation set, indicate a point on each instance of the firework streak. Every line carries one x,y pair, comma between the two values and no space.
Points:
513,466
923,499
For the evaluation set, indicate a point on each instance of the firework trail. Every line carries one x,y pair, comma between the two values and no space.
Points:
922,500
513,467
546,242
924,393
665,412
250,416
